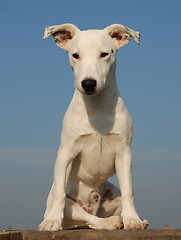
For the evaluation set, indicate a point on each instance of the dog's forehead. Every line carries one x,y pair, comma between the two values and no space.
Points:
92,39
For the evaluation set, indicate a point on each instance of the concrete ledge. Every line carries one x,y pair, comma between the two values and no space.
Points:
87,234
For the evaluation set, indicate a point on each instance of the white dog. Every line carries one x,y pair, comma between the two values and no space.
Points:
95,139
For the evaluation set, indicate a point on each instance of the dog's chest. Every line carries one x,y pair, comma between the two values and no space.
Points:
97,156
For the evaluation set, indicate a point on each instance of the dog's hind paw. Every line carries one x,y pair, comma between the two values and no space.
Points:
110,223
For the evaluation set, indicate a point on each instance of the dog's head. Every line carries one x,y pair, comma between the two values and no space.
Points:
92,52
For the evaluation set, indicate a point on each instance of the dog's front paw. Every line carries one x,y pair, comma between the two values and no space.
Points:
49,225
134,223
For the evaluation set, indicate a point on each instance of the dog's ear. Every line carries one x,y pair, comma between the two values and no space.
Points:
62,34
121,34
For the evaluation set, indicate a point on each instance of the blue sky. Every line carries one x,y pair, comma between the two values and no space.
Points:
36,86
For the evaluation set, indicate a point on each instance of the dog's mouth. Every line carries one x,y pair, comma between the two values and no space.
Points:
90,93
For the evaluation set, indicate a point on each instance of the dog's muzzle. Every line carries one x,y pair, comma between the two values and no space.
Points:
89,86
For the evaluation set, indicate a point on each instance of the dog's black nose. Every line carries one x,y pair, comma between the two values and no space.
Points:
89,85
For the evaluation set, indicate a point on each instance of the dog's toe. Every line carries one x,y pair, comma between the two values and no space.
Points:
135,223
49,225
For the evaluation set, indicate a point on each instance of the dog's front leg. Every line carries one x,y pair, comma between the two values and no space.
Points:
54,215
123,164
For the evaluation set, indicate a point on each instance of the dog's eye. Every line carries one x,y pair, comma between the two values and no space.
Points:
75,55
104,54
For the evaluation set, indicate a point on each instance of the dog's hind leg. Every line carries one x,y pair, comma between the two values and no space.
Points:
76,216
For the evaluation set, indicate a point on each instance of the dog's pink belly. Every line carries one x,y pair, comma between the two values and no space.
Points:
96,162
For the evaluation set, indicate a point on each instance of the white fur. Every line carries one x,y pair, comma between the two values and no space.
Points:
95,139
